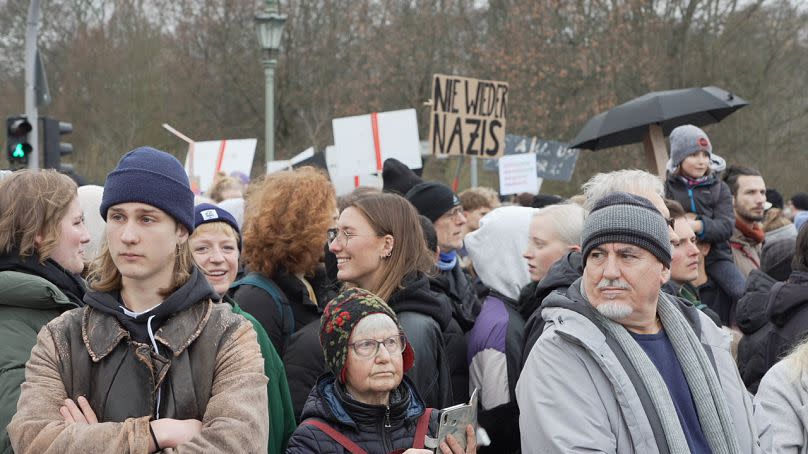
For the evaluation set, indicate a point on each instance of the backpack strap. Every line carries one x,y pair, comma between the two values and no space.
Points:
281,303
352,447
421,428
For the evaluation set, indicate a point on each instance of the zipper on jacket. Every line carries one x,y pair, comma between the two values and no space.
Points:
387,443
387,417
692,200
157,351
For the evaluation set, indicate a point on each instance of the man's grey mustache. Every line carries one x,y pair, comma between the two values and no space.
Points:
613,283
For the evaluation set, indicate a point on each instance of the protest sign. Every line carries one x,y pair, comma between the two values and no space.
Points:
363,142
206,159
468,116
554,160
344,184
517,174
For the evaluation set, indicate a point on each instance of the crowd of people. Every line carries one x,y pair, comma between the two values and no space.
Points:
644,315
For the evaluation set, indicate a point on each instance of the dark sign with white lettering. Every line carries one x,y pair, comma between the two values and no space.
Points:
554,160
468,117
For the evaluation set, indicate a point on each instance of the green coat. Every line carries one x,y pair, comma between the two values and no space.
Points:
281,415
27,303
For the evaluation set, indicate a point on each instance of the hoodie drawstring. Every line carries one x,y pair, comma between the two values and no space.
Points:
156,350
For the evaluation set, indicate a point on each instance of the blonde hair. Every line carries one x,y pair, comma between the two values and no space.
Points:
215,227
105,277
798,357
222,183
567,220
33,203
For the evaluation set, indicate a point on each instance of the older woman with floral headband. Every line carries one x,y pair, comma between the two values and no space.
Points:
365,403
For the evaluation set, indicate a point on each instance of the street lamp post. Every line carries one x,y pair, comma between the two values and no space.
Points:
269,26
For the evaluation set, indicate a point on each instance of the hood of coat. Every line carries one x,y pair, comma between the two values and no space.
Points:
417,296
331,402
68,283
751,312
503,234
787,297
560,276
195,290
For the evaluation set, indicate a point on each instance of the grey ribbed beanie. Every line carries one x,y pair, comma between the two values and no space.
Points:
686,140
620,217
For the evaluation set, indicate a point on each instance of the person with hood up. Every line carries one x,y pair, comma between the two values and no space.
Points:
380,247
150,362
365,404
623,367
43,241
495,341
216,245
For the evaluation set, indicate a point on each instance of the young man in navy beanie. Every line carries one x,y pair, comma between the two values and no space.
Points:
439,204
150,355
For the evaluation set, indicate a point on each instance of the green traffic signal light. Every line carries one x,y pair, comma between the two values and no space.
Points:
18,151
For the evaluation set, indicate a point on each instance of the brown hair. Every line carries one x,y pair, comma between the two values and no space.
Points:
33,202
478,197
287,217
391,214
675,208
221,184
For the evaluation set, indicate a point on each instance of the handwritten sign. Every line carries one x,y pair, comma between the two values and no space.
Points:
517,174
554,160
468,116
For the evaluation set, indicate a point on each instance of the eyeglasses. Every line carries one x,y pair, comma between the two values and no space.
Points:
370,347
333,234
455,213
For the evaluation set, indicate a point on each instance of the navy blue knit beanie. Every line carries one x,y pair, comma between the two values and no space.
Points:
153,177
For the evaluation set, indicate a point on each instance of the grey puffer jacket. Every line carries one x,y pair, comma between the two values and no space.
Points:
576,395
780,410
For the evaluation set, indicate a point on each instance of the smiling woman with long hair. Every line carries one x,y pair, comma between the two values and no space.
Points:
42,241
380,247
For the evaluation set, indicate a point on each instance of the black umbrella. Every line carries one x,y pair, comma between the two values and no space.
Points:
629,122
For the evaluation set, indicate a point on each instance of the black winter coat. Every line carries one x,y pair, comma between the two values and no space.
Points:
781,321
438,342
361,423
304,363
458,286
559,277
712,201
260,304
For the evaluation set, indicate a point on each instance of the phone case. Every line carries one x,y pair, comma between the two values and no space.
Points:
454,419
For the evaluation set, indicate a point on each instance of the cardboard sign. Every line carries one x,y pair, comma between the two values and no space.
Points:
363,142
554,160
468,116
205,159
517,174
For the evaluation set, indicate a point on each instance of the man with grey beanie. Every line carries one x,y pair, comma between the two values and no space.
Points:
621,366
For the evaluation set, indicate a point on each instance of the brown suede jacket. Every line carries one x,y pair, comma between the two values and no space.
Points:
214,373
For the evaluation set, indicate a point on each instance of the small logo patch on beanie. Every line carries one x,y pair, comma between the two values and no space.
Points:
207,215
703,142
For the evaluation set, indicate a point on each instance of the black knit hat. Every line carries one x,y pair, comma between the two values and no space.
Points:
620,217
338,321
153,177
776,257
432,199
397,177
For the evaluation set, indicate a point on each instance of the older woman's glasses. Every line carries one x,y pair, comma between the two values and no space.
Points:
370,347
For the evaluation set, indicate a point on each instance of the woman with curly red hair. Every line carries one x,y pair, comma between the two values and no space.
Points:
288,215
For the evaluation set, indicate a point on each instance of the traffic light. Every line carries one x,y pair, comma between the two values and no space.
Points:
18,147
52,132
